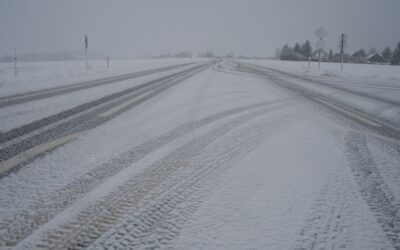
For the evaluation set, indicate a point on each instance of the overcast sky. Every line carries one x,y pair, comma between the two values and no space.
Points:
149,27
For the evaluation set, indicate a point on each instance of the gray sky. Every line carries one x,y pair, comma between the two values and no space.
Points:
138,28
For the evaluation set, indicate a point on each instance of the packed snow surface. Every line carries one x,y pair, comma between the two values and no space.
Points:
223,159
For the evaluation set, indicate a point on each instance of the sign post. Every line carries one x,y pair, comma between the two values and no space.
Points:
320,47
321,34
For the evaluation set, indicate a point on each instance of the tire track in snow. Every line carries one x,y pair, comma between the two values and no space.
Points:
338,216
279,73
82,120
373,189
386,154
383,126
89,224
159,221
24,223
6,101
328,223
25,129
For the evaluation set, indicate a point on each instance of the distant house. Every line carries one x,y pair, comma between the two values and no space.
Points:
324,55
375,58
299,57
358,57
338,58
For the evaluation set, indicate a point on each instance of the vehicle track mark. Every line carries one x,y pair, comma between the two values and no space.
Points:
14,133
11,100
158,222
373,189
96,219
368,95
387,128
23,224
89,120
326,226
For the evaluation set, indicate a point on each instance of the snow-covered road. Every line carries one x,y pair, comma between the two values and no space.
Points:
214,155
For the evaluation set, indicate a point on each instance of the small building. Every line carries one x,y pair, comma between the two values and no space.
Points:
323,54
375,58
358,57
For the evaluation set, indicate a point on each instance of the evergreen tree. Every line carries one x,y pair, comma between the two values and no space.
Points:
306,49
372,51
297,48
396,56
360,54
387,54
287,53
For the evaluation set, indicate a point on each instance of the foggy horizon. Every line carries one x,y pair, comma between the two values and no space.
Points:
148,28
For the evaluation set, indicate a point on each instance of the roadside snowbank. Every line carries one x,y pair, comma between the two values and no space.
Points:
364,72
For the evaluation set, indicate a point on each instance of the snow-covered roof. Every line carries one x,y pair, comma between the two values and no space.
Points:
372,55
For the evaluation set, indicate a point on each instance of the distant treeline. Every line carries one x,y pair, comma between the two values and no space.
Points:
182,54
56,56
301,52
296,53
186,54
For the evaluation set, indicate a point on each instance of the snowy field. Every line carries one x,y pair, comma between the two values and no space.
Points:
38,75
215,155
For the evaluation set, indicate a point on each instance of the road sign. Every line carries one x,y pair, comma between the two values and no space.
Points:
321,33
320,45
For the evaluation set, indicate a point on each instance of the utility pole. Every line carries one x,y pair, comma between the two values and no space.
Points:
86,47
342,44
108,62
15,62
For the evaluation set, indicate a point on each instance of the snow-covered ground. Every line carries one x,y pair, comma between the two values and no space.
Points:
222,160
39,75
374,89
